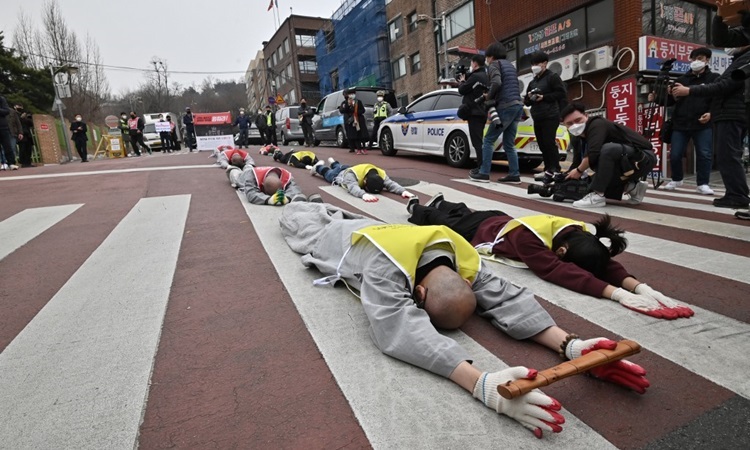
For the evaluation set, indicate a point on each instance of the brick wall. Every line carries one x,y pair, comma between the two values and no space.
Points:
50,150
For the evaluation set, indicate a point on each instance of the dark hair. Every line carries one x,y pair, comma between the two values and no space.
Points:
701,51
587,251
539,57
479,59
373,182
574,106
123,113
496,50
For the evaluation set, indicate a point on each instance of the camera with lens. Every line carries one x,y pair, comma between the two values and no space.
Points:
534,94
561,189
461,70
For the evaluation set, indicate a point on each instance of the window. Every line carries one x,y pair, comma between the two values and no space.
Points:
423,105
600,19
280,51
274,58
268,63
308,67
448,101
402,100
292,98
286,45
460,20
399,68
416,63
289,72
676,19
412,22
330,41
394,31
305,40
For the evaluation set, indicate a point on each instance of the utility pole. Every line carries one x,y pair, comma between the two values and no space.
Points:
445,44
158,84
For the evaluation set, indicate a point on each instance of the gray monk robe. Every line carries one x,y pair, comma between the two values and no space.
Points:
323,234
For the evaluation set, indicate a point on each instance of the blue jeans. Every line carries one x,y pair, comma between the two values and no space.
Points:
330,173
509,117
702,141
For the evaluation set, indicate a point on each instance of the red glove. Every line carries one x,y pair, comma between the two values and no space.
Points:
622,372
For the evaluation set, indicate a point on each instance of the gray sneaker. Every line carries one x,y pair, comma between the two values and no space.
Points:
435,200
637,193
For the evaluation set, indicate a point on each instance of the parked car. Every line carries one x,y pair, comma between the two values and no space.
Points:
328,123
288,127
431,125
253,136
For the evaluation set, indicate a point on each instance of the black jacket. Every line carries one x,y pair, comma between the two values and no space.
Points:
4,112
471,91
727,96
723,36
554,93
79,135
305,114
600,131
687,110
348,111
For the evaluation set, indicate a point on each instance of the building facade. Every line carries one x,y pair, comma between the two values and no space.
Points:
353,50
256,84
608,51
419,57
290,62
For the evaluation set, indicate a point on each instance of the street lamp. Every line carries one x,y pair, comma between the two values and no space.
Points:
68,70
440,20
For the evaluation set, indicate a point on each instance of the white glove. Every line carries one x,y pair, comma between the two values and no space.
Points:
642,304
308,167
534,410
621,372
648,292
407,194
369,198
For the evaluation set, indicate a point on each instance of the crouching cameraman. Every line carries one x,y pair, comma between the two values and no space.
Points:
619,155
472,87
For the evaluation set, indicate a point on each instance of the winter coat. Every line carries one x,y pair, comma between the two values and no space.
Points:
554,94
728,96
4,112
471,91
687,110
79,135
505,89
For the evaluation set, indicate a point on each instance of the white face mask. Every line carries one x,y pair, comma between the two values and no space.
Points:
78,119
697,66
577,129
536,69
352,96
380,99
487,62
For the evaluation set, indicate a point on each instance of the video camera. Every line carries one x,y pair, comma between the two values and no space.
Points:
561,189
534,94
461,70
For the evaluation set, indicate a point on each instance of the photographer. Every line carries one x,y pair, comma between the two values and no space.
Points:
691,119
619,155
472,88
729,116
557,249
546,94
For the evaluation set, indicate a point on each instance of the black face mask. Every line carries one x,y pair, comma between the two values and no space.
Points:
132,116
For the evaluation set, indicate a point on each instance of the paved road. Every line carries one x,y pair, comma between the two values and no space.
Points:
144,303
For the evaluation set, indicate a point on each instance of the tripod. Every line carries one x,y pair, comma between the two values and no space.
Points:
654,109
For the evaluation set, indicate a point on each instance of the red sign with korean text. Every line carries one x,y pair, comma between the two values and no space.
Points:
621,106
212,118
653,119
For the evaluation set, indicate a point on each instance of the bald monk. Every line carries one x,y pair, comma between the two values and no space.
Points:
266,185
231,156
415,280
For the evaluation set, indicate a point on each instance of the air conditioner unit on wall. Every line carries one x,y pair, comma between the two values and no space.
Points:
594,60
566,66
523,82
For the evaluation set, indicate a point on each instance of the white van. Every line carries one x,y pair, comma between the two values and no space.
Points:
150,136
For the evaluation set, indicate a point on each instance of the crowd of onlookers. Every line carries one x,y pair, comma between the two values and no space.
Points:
15,136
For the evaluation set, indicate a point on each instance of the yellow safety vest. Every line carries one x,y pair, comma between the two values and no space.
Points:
268,118
360,170
301,154
404,244
381,110
545,227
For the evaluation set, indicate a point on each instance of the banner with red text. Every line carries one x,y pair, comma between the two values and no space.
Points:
213,130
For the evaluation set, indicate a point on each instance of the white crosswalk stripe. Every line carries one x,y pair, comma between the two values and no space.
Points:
28,224
78,375
691,343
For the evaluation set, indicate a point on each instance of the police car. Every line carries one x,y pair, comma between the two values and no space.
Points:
431,125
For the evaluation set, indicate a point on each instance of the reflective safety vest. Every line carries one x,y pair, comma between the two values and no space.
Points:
124,126
404,245
233,151
301,154
360,170
545,227
261,172
381,110
269,116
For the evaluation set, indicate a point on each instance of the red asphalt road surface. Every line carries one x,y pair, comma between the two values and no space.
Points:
236,366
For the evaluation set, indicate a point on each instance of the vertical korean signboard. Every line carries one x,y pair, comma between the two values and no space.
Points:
213,130
652,117
621,107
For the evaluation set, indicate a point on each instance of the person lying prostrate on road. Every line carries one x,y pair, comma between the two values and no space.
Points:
301,159
266,185
231,156
557,249
414,280
362,181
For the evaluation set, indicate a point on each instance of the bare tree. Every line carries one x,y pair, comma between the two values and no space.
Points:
25,40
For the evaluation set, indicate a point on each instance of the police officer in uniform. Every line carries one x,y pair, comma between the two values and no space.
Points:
381,111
